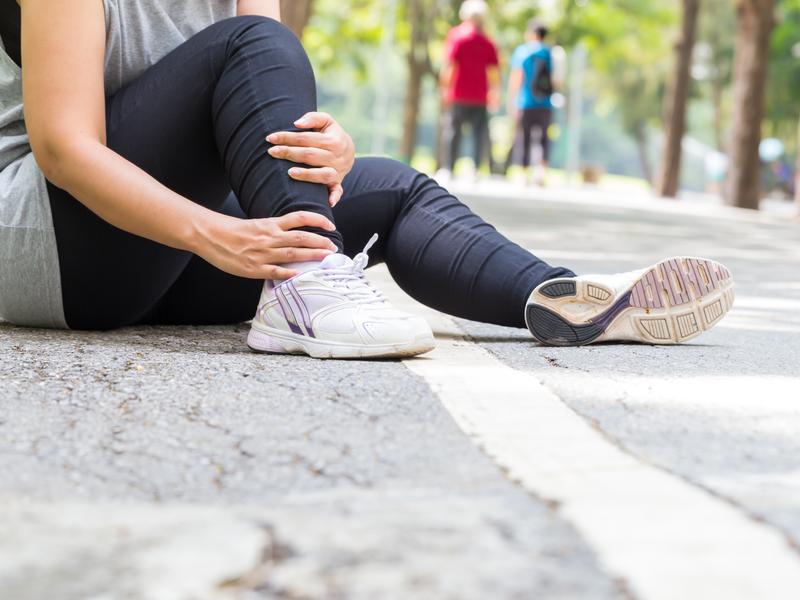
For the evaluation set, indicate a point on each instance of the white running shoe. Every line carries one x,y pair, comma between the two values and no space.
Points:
333,312
671,302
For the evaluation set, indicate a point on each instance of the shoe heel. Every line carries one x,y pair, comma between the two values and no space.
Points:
262,342
552,329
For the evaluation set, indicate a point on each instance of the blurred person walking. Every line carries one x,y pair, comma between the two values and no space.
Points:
530,91
470,84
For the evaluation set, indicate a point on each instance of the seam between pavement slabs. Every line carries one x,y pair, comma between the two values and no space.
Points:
701,546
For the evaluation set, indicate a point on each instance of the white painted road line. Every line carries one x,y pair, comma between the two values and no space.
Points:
666,538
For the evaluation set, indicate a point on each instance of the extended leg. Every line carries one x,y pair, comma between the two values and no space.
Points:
448,258
436,248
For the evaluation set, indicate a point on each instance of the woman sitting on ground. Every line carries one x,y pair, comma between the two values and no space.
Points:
171,168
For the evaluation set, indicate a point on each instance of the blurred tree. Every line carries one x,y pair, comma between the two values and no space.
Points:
797,172
675,103
783,99
421,16
344,42
755,20
629,53
296,14
717,22
344,37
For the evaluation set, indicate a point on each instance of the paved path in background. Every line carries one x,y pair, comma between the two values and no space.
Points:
172,463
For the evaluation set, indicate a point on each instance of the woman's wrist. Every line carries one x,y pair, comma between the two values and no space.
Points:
200,230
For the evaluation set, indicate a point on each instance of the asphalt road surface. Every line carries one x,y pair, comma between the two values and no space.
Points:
172,463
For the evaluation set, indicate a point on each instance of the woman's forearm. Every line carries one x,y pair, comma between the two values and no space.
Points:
127,197
262,8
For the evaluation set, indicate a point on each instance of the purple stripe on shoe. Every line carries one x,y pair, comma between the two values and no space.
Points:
295,326
304,312
287,311
604,320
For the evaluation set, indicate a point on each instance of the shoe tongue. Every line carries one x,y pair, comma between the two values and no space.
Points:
335,261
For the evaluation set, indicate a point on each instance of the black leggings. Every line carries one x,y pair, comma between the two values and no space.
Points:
478,118
531,130
197,122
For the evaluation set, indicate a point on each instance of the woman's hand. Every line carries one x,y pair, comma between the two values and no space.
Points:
253,248
328,149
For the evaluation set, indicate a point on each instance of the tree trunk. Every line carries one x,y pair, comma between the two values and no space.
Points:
416,73
295,14
640,135
441,155
755,20
675,105
419,65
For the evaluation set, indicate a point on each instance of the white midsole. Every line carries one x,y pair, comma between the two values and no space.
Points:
264,339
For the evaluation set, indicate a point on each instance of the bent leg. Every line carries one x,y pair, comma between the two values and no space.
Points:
436,248
197,122
204,295
210,104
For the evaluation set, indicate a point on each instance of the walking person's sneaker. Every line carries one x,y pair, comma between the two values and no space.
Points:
332,311
668,303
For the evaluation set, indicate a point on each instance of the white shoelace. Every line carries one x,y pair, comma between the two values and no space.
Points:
351,280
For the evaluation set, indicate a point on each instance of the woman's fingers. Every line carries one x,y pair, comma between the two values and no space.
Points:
315,157
336,193
314,120
308,139
304,218
304,239
273,272
325,175
290,255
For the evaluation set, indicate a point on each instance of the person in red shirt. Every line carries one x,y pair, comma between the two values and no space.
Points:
470,82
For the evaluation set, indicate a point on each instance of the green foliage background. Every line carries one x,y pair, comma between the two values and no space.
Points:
630,49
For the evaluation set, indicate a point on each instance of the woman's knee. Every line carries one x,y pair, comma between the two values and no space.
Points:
384,173
261,34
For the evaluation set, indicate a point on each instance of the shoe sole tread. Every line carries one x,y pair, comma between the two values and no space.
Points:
672,302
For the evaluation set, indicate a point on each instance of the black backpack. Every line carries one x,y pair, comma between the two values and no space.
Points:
543,80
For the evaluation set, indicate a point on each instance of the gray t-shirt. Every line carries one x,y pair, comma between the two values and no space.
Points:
138,34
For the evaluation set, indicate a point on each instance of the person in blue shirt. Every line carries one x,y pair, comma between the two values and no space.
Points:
530,90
